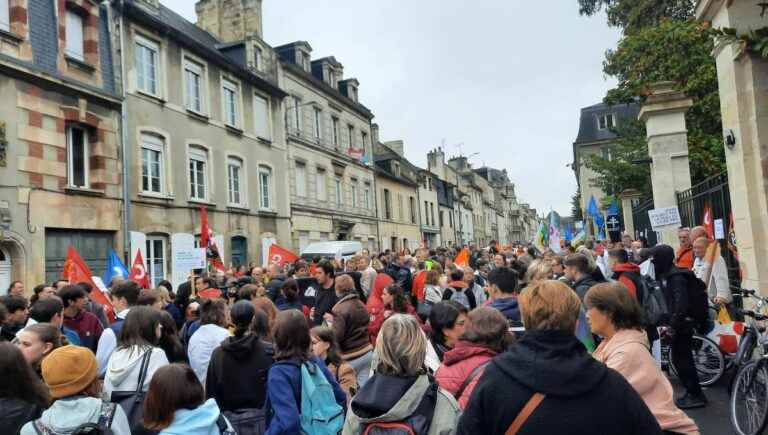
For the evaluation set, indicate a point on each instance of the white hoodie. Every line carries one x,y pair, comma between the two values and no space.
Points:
124,366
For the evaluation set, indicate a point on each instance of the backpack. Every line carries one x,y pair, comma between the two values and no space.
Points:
132,402
696,292
224,428
102,427
463,296
320,414
252,421
652,300
417,423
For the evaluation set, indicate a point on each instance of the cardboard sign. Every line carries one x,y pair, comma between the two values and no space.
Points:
662,218
189,259
719,229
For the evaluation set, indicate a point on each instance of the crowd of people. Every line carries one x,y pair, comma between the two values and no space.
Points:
438,341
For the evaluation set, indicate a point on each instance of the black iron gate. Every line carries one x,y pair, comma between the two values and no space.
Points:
712,194
642,222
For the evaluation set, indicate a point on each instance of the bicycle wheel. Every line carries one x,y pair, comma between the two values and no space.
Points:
749,398
708,359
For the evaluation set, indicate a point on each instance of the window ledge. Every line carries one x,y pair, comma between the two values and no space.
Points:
83,191
198,116
267,212
201,202
265,140
157,98
79,64
154,195
234,130
238,208
10,36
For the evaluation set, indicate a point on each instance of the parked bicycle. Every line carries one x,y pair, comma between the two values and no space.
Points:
707,356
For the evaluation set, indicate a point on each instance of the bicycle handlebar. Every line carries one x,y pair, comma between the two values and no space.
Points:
754,315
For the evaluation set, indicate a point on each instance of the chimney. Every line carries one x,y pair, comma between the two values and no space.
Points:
375,133
230,20
397,146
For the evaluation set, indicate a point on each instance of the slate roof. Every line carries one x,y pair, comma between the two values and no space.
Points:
588,131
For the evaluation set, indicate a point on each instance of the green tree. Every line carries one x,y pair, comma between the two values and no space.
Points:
576,212
632,15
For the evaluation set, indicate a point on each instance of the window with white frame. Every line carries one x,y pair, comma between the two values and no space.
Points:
147,65
367,196
152,163
318,122
193,75
5,16
335,128
322,184
339,192
235,184
74,35
258,58
78,156
155,254
261,115
301,179
229,92
295,112
265,179
606,121
355,192
198,173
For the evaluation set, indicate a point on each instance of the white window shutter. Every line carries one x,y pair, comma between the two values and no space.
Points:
261,108
74,35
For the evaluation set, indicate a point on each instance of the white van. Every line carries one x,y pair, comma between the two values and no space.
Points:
337,250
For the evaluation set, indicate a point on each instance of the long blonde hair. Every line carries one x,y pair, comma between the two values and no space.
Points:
401,347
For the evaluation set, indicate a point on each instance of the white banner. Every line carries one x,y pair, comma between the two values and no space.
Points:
661,218
266,242
180,242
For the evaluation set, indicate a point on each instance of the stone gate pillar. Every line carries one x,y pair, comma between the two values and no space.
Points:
664,116
627,197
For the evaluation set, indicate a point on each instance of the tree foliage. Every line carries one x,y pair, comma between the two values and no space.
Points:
632,15
576,212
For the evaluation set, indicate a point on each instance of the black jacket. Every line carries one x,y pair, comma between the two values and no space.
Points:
324,302
583,396
273,287
237,374
15,413
583,285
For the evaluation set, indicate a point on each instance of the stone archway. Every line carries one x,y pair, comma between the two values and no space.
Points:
12,263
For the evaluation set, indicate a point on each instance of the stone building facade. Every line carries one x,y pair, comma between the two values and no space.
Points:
203,129
59,143
429,209
330,173
398,195
447,197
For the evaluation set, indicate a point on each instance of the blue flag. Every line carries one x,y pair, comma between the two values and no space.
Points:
115,268
592,209
613,210
600,224
567,233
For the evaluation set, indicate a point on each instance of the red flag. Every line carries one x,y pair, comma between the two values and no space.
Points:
207,242
76,271
462,260
139,272
205,235
709,223
280,255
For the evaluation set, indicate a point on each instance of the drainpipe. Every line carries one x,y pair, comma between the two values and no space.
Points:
123,139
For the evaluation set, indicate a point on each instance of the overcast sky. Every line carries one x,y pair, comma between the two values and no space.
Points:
503,78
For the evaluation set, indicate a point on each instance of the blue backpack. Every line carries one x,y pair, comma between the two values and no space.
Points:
320,414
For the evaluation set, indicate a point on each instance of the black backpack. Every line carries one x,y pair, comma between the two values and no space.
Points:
132,402
652,300
698,298
102,427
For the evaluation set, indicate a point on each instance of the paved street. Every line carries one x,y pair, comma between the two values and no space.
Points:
715,418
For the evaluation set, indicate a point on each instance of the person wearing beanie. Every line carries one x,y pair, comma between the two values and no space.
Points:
237,373
70,374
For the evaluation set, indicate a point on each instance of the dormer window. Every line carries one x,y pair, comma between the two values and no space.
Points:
305,61
74,35
606,121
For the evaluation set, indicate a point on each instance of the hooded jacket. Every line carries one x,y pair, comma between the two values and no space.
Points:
627,352
582,286
629,275
201,346
458,364
673,283
509,308
391,399
14,413
350,325
583,396
237,373
66,414
198,421
125,364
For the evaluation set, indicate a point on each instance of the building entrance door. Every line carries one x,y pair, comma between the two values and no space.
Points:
5,271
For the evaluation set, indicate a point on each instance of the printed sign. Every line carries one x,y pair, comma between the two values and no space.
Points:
719,229
661,218
189,259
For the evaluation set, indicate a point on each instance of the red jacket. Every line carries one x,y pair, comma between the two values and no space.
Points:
458,364
418,285
375,304
87,326
378,319
620,275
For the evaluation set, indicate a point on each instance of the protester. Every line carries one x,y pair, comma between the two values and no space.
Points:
176,405
292,356
625,272
92,306
616,316
447,322
288,298
237,373
326,347
326,297
484,337
17,314
86,325
578,272
395,302
70,374
680,303
539,270
502,287
124,296
170,341
37,341
191,323
714,272
206,288
549,370
458,290
16,288
137,346
23,396
475,284
433,293
350,322
214,319
400,391
41,291
51,310
684,256
368,274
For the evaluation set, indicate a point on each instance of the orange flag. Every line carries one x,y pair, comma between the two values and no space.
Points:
139,272
76,271
280,255
462,259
